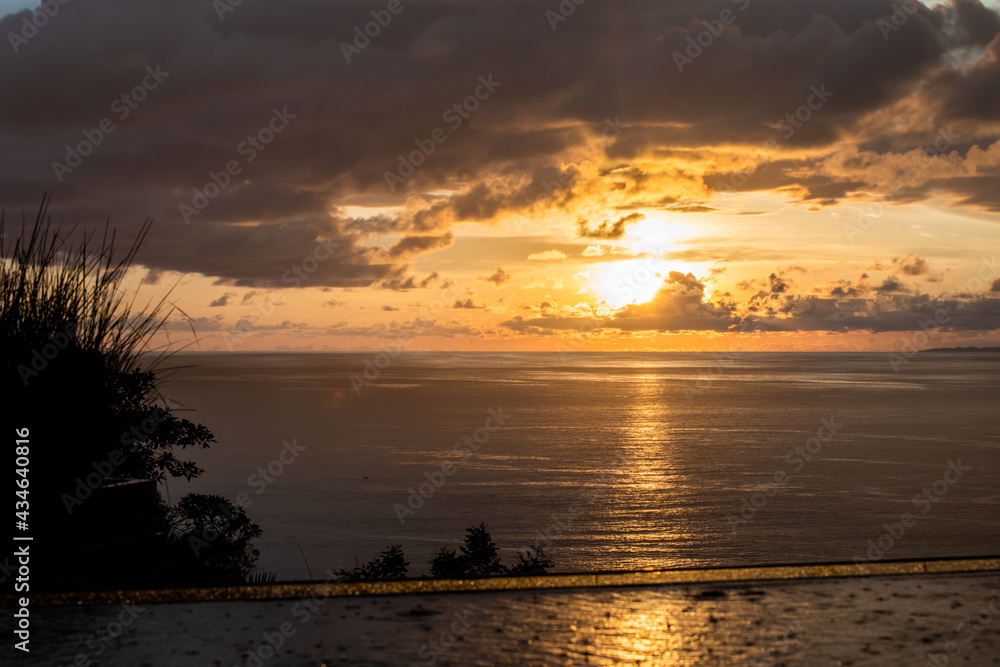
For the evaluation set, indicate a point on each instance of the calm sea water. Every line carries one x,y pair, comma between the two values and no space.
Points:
615,460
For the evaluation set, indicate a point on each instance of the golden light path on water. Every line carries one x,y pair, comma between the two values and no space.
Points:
644,466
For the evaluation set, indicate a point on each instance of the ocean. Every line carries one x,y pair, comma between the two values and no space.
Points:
610,461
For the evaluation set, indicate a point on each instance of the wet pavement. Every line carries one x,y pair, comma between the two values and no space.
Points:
911,620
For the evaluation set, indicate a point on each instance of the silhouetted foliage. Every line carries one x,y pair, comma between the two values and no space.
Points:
447,564
151,432
209,540
73,372
480,553
532,562
389,565
479,557
261,578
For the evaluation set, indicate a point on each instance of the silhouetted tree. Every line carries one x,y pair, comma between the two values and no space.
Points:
479,557
480,553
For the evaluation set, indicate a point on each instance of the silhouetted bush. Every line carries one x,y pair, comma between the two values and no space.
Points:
448,565
479,557
74,375
209,541
388,566
532,562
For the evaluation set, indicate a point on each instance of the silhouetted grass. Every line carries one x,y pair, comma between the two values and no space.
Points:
72,337
50,284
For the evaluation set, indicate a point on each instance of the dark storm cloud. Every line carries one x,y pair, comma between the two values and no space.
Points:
347,124
267,255
980,191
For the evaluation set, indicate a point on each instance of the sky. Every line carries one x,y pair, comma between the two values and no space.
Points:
718,175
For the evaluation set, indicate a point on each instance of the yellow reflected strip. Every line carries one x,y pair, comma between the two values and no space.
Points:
594,580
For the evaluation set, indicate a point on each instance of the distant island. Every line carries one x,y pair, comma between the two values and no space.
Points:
962,349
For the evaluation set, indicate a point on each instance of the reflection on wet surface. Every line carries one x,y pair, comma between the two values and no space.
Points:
872,621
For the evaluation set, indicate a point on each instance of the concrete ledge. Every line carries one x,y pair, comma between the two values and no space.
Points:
585,580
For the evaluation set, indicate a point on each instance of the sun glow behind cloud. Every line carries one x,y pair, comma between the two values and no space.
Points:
657,235
677,217
636,281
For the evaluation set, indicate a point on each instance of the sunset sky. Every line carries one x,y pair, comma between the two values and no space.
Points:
732,174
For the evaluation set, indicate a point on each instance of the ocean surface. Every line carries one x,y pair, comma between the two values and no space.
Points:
611,460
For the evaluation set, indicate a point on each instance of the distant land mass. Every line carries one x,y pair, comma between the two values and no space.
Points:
962,349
